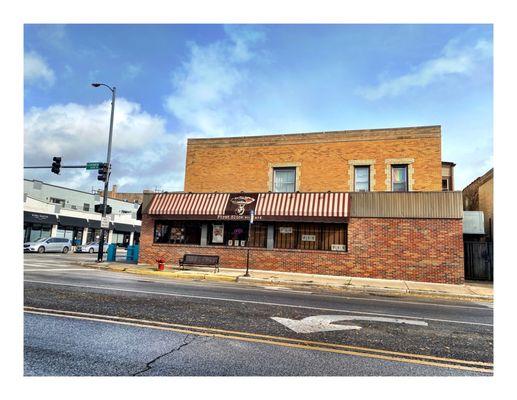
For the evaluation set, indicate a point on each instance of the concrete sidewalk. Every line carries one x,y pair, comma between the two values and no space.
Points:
473,291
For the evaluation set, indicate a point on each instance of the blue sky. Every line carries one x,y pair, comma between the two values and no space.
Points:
180,81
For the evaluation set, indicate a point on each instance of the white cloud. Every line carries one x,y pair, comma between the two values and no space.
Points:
143,153
54,35
208,88
37,71
454,60
207,101
131,71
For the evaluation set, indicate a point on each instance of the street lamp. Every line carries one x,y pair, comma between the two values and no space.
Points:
108,160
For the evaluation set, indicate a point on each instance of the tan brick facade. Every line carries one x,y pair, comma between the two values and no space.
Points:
426,250
324,161
479,196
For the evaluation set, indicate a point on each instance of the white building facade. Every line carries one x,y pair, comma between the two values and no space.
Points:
55,211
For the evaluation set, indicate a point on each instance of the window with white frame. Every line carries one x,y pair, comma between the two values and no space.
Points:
399,178
361,178
284,179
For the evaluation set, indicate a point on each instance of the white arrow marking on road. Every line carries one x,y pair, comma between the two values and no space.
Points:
324,323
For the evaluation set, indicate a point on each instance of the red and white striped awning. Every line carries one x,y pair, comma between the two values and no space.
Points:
332,207
302,205
203,204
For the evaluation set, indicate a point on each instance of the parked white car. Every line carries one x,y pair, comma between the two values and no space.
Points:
47,245
91,247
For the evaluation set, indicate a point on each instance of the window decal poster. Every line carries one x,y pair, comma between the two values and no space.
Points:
217,233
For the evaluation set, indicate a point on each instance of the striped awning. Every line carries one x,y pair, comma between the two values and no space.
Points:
276,206
332,207
191,204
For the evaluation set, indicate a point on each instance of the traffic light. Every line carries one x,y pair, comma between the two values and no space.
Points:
56,165
103,172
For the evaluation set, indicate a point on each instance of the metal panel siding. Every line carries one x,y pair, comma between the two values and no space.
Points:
407,205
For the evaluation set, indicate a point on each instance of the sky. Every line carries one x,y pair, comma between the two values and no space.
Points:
181,81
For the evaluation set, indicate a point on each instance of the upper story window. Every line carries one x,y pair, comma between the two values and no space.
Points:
57,201
284,179
86,207
362,178
399,179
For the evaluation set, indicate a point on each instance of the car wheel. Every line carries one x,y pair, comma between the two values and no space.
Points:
41,249
65,250
91,250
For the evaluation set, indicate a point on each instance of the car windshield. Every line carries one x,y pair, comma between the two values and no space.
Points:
41,240
91,244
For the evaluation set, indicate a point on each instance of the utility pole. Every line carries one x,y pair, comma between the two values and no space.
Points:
108,161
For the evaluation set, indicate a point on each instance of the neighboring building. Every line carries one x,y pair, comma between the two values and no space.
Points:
447,176
130,197
365,203
479,196
51,210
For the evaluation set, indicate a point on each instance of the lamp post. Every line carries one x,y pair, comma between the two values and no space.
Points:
252,217
108,160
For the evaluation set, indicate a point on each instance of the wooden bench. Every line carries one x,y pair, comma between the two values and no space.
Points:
199,259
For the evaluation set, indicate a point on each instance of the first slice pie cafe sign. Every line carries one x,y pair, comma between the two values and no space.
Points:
239,207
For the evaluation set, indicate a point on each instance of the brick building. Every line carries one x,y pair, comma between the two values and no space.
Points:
479,196
130,197
355,203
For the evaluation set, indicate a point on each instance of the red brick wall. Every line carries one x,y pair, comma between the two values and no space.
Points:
427,250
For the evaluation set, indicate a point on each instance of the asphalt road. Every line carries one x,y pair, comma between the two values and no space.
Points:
82,321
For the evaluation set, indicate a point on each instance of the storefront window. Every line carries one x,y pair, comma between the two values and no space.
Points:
34,232
310,236
258,235
66,232
177,232
121,239
236,233
93,235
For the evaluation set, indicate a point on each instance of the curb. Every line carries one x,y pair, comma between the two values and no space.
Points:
367,289
294,284
165,274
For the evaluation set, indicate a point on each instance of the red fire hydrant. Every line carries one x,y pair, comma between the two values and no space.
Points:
161,264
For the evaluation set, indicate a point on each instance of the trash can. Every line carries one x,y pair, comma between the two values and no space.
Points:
136,251
112,252
130,253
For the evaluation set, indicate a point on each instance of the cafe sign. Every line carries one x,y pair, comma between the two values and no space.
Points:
240,207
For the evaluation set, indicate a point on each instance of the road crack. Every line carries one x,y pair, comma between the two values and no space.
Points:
148,366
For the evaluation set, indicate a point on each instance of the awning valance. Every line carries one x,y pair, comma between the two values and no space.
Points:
302,206
72,221
328,206
39,218
203,204
124,227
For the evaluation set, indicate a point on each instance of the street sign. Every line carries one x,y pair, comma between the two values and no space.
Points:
105,222
93,165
